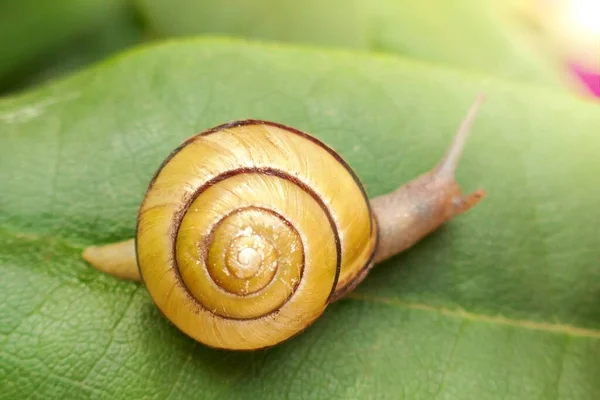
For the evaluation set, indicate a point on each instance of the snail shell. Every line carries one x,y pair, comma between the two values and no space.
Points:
248,230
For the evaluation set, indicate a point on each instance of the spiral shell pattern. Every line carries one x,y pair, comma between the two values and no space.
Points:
248,230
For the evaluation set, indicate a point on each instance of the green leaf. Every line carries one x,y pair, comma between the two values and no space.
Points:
500,303
485,36
31,30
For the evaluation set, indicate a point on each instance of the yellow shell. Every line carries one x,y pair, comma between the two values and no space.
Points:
248,230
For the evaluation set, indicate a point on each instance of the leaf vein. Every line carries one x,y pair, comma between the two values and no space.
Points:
459,334
181,371
112,334
557,328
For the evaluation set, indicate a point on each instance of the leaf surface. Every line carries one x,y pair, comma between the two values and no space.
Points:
502,303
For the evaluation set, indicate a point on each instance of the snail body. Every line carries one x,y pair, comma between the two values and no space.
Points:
249,230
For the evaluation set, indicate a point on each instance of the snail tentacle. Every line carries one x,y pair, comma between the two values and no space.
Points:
411,212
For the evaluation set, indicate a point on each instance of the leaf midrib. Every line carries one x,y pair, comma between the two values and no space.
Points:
457,313
460,313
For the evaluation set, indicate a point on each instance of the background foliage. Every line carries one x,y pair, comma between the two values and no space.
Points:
40,40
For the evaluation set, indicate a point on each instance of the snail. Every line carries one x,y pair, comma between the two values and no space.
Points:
249,230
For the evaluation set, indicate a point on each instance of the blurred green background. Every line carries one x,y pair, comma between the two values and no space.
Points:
42,40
